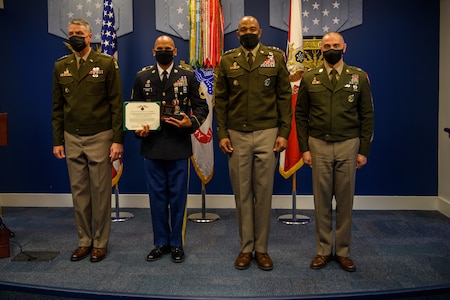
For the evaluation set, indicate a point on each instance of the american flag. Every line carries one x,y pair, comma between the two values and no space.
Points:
108,33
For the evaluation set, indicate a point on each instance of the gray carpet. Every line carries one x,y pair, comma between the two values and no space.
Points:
395,251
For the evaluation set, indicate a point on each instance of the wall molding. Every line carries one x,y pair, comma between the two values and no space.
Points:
227,201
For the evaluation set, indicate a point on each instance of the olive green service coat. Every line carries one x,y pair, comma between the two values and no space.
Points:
253,99
338,114
79,97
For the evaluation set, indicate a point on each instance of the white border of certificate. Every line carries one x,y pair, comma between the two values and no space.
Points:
139,113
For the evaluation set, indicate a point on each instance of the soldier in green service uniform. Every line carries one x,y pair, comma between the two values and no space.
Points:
88,133
334,116
253,114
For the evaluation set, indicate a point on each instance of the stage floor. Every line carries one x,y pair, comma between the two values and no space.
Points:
398,253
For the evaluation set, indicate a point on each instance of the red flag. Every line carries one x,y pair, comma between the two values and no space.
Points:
291,159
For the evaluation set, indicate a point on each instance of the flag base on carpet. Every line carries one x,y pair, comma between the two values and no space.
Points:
35,256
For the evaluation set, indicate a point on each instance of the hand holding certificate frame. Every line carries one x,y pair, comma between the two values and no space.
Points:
140,113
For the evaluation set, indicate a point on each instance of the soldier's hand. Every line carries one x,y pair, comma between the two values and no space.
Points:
280,144
58,151
144,131
225,146
307,158
361,161
184,122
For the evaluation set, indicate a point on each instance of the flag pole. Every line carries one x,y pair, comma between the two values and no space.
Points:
203,216
294,219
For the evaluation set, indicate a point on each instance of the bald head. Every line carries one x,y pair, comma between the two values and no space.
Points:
248,26
164,41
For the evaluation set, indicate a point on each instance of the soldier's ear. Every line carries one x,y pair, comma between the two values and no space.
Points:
175,51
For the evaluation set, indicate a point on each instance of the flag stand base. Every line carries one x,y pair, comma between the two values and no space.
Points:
203,217
121,216
290,219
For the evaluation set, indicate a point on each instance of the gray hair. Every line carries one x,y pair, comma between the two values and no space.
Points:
82,22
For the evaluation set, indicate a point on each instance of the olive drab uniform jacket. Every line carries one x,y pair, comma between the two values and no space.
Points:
182,90
335,114
89,100
256,98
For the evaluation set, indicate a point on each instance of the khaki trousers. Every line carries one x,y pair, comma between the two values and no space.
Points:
90,176
252,166
334,173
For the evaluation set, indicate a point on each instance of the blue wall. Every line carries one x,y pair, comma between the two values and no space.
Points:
397,44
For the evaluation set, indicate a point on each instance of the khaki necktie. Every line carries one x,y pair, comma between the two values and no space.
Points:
250,59
334,80
80,63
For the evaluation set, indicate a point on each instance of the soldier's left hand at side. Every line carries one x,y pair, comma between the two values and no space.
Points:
280,144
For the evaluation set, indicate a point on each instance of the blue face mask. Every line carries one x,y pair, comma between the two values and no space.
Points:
77,43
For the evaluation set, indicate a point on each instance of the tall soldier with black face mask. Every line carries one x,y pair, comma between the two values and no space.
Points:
335,131
253,113
166,149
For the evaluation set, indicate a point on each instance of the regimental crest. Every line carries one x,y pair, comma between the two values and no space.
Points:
206,76
295,58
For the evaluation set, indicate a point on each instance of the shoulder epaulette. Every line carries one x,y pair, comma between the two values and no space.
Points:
275,48
229,51
147,68
63,57
356,68
313,69
105,55
183,65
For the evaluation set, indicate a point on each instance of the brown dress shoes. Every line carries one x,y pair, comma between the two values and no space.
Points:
264,261
80,253
243,261
346,263
319,261
98,254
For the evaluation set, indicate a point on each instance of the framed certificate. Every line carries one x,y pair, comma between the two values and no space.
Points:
138,113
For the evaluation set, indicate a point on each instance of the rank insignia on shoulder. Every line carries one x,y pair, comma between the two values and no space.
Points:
183,65
230,51
146,68
62,57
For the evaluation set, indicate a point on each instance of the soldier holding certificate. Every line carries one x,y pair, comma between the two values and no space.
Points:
166,149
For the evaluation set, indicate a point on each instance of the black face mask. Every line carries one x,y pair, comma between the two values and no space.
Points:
332,56
77,43
249,40
164,57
